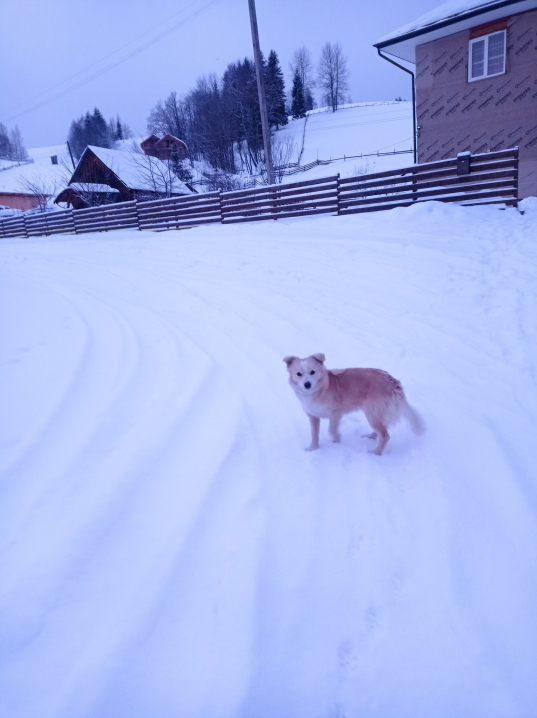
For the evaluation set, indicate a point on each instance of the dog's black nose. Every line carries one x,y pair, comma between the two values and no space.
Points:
307,385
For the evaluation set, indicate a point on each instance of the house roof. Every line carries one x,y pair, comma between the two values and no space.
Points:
131,168
446,19
171,137
92,187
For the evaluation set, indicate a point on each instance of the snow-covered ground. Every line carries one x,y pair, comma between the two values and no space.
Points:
167,546
364,128
15,177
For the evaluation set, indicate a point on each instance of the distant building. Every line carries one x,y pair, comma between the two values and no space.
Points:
103,176
475,79
148,145
162,147
19,200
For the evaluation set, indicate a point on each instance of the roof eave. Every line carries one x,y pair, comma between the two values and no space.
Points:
445,23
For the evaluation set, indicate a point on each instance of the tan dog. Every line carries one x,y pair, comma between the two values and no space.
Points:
326,394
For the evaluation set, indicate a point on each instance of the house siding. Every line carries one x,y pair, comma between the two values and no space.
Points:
454,115
18,200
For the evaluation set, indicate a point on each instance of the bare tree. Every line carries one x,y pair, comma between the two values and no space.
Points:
333,75
42,188
154,175
302,65
282,151
11,145
223,181
93,194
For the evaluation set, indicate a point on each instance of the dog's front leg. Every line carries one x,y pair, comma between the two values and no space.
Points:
334,427
315,423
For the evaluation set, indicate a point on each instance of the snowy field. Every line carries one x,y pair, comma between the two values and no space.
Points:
54,177
364,128
168,548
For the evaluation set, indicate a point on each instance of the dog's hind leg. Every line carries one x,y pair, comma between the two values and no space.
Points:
333,427
383,435
378,423
315,424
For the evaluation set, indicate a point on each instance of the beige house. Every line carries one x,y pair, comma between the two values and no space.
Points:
474,75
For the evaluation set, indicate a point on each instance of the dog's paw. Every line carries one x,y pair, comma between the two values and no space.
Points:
311,448
336,439
370,436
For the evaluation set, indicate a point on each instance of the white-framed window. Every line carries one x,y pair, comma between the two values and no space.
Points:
486,56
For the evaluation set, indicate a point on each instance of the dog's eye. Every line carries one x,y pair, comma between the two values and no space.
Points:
298,373
312,372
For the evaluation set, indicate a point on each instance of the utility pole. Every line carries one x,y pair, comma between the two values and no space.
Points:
72,160
261,92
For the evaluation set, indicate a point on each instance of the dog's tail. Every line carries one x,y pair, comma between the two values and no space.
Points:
413,417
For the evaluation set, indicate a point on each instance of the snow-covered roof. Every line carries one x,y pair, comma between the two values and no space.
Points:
171,137
445,19
14,176
91,187
131,167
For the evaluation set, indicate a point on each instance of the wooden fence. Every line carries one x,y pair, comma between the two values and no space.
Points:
467,179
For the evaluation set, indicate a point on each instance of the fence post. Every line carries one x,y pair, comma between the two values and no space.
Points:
337,190
137,215
414,187
220,206
25,227
516,176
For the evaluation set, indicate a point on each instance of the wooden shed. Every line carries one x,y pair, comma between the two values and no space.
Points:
103,176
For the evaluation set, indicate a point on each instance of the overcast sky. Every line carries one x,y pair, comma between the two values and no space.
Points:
49,48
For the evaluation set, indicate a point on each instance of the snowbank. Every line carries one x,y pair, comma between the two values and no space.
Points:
169,549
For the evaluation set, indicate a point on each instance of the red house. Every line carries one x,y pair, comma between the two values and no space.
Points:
162,147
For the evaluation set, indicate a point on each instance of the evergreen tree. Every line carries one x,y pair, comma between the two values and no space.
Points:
179,167
90,129
298,103
119,130
99,130
308,99
275,91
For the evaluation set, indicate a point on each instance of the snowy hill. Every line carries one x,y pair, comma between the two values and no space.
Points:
167,548
363,128
355,129
14,176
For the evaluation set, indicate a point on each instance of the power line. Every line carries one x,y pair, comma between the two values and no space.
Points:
102,59
116,63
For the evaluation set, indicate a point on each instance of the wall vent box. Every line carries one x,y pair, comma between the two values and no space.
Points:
54,159
463,163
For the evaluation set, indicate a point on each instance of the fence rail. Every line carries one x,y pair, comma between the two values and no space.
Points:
466,179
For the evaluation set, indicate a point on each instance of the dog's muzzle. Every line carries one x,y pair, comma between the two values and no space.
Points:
307,385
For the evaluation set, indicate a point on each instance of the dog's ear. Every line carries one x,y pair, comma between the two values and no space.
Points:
319,357
289,360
